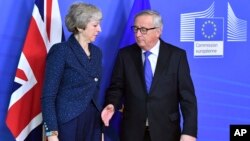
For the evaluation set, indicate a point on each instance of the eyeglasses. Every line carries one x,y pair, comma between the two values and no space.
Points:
143,30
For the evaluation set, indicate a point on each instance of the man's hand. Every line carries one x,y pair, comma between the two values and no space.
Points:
107,114
187,138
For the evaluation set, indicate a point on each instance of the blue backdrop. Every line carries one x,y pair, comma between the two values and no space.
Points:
220,70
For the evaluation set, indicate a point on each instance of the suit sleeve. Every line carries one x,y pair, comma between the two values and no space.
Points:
116,88
53,74
188,103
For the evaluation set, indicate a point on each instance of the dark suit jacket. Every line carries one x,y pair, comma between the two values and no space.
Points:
71,82
172,86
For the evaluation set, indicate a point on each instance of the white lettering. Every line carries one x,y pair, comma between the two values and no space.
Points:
239,132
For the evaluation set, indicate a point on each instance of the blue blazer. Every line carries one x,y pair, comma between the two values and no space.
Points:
72,81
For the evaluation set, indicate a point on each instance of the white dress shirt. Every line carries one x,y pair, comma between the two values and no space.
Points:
153,60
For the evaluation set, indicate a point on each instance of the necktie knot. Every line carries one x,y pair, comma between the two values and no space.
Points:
147,53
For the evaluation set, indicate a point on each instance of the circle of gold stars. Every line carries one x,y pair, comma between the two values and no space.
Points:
207,23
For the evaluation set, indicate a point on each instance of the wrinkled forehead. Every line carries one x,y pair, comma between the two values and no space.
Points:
144,21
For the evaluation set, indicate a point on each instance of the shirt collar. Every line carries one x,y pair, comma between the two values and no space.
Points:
155,49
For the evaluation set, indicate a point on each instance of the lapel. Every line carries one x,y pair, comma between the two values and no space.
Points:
83,58
137,58
162,63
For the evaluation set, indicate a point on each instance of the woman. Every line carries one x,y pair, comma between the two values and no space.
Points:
72,80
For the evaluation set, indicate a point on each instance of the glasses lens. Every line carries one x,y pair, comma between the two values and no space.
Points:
143,30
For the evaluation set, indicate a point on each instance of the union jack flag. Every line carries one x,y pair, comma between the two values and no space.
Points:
45,29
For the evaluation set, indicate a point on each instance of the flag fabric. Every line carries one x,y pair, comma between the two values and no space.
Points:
45,29
127,39
128,36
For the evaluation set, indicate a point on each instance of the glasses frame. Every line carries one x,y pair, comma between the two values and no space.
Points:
143,30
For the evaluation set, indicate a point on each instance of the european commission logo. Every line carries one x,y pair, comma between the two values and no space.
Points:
207,31
208,37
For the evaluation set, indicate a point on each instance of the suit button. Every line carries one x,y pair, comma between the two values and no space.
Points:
95,79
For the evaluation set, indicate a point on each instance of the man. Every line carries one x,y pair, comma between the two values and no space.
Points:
154,87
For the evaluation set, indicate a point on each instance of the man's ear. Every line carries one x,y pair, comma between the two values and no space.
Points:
159,31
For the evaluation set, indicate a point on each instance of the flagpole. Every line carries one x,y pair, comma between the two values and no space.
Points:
43,136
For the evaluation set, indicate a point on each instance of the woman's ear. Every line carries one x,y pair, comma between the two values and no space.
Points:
79,29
